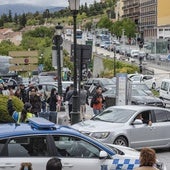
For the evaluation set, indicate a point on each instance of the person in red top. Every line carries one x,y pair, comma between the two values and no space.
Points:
97,101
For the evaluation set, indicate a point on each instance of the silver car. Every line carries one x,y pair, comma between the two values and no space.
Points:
119,125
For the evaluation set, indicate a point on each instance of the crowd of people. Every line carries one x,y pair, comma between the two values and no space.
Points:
39,101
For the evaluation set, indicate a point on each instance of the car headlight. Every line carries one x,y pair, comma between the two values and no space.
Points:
100,135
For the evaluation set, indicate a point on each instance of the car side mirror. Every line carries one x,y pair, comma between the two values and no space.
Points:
137,122
103,154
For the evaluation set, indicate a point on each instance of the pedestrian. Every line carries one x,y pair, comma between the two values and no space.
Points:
97,101
53,105
5,90
23,93
147,159
43,97
54,164
69,98
83,102
22,116
35,101
18,93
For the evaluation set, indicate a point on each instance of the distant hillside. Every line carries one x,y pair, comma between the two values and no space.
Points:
25,8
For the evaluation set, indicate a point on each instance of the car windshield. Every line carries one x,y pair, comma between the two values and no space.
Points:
107,81
115,115
136,78
138,93
140,86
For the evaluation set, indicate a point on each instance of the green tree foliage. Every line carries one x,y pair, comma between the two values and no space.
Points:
121,67
117,29
129,27
9,16
40,32
4,115
105,22
127,24
6,46
23,20
16,18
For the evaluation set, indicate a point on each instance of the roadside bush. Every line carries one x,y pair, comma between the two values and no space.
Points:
17,104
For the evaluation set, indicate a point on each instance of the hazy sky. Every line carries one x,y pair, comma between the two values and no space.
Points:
44,2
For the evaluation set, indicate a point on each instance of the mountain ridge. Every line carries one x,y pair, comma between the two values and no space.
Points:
26,8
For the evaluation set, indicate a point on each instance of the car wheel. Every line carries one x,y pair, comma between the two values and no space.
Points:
121,141
154,86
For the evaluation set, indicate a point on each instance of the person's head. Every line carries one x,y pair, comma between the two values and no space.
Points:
99,89
22,86
54,164
53,91
147,157
27,106
71,86
40,87
139,116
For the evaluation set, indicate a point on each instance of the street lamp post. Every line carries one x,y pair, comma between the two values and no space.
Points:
114,71
57,41
75,114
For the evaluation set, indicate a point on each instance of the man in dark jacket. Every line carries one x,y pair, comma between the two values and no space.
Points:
69,98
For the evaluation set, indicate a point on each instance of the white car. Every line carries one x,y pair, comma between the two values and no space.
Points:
134,53
149,80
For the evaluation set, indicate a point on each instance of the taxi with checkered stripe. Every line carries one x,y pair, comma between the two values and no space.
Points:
31,145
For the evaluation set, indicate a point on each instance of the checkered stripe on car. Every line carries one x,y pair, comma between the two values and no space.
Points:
128,164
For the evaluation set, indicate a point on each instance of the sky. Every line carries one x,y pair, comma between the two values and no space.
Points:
57,3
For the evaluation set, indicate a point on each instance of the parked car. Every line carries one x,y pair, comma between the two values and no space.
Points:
31,145
134,53
139,97
164,92
149,80
122,128
105,83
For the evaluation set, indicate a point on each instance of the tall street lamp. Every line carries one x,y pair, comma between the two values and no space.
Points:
75,114
57,41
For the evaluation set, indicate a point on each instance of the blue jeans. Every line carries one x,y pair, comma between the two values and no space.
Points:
97,111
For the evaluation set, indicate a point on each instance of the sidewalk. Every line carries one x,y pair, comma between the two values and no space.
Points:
63,118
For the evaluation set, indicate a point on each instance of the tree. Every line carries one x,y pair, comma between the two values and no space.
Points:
117,29
129,27
16,18
23,20
9,16
105,22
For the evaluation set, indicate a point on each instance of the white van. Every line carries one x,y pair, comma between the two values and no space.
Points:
165,90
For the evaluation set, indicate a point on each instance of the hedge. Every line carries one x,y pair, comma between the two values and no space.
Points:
4,115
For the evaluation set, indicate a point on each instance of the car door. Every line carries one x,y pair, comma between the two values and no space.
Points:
24,152
142,135
161,127
148,80
76,153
